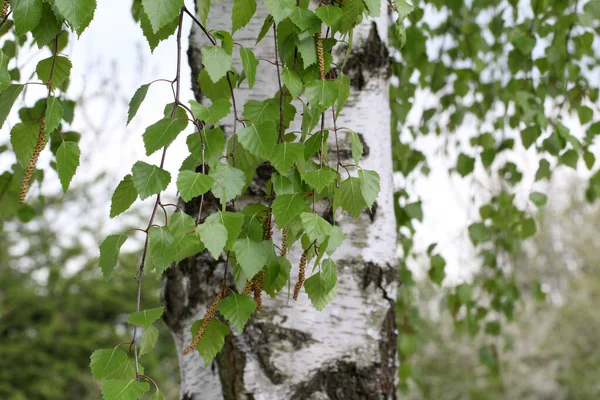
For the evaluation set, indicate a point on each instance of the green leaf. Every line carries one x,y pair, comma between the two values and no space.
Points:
357,147
54,114
191,184
149,179
266,26
105,362
23,138
292,82
180,223
569,158
374,7
237,309
351,197
161,12
79,13
585,114
479,233
322,93
48,27
322,286
160,249
277,275
162,133
214,90
123,197
214,236
109,253
308,51
320,178
539,199
123,389
164,33
145,318
242,13
304,18
252,256
214,143
528,228
259,140
590,159
232,222
330,14
27,14
157,395
4,74
280,9
249,62
212,340
217,62
136,101
543,170
67,161
336,238
183,246
286,207
369,186
285,155
465,165
437,271
59,70
149,339
229,182
211,114
261,111
315,226
7,99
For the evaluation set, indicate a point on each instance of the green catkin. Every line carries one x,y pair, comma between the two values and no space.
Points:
208,316
39,146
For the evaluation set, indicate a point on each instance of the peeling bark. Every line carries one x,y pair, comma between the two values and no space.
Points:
289,350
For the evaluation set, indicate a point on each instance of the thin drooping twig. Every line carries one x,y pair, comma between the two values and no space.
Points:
279,82
193,17
140,273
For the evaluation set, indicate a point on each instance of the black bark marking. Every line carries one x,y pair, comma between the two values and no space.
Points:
371,58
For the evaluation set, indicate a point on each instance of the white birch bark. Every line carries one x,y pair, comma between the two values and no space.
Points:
289,350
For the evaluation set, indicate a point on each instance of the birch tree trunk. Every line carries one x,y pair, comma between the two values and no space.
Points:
289,350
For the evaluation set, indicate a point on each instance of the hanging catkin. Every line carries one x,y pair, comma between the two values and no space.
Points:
301,276
208,316
5,8
39,146
320,55
257,285
284,249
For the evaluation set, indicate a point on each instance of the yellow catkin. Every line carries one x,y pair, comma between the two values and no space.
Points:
268,226
39,146
5,8
249,288
284,249
257,285
208,316
301,276
320,55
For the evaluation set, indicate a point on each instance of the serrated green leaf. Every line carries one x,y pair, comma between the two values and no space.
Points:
322,93
308,51
180,224
280,9
285,155
229,182
232,222
357,147
351,198
437,271
48,27
252,256
79,13
211,114
266,26
261,111
329,15
249,63
109,253
164,33
217,61
214,143
23,138
237,309
292,82
303,18
242,13
214,91
136,101
369,186
336,238
149,339
214,236
212,340
54,114
162,133
145,318
123,389
105,362
160,249
4,74
277,274
320,178
7,99
59,70
260,139
344,93
26,14
123,197
315,226
465,164
191,184
149,179
321,287
161,12
184,246
67,161
286,207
